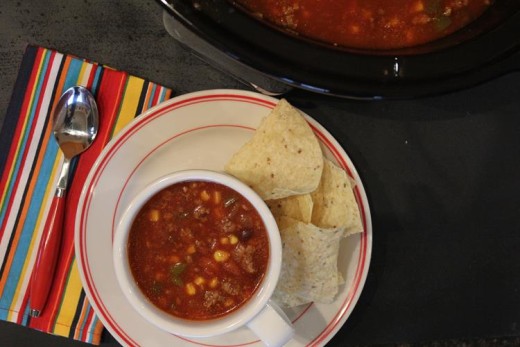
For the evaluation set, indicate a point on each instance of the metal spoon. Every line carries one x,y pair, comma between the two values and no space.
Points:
75,128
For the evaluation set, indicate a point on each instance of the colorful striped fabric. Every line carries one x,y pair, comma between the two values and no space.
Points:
30,161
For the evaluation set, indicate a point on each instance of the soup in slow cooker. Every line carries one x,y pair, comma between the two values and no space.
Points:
369,24
198,250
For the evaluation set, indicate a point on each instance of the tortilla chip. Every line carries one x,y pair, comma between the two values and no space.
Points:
283,157
309,264
297,206
334,203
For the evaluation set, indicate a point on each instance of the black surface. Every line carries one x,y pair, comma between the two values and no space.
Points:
442,180
441,174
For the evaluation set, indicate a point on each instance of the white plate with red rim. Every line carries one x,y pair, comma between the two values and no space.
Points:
199,130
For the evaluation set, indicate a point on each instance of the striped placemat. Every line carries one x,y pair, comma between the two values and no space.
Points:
30,162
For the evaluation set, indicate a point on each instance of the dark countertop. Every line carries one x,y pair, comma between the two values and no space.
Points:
441,174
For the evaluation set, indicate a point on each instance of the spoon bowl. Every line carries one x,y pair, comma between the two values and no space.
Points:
75,126
75,121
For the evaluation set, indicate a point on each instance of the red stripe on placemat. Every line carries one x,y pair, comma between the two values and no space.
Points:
17,135
157,94
86,327
92,76
25,303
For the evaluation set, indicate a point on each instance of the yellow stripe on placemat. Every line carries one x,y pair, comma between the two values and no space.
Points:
70,301
84,74
129,104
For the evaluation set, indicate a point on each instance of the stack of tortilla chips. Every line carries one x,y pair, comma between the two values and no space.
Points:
311,198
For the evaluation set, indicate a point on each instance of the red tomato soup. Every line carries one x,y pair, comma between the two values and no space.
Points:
198,250
369,24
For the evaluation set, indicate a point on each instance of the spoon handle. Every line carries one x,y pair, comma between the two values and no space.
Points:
43,272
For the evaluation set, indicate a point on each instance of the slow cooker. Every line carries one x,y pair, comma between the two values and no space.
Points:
485,49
